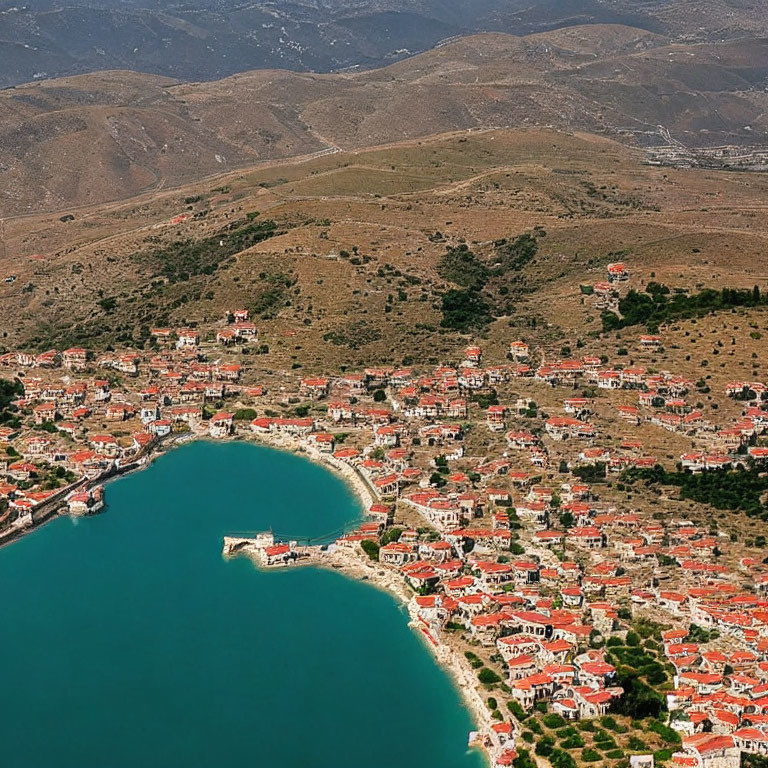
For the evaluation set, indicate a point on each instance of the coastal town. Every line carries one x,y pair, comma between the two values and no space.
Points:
575,534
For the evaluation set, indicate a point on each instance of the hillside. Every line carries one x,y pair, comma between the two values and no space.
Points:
85,140
350,272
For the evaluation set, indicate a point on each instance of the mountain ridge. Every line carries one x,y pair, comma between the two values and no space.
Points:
111,135
195,40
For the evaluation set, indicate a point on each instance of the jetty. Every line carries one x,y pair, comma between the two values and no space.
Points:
267,552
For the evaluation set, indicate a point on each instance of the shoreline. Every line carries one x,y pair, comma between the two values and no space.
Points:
351,477
347,563
356,567
359,568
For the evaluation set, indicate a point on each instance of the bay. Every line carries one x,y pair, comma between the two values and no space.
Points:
128,640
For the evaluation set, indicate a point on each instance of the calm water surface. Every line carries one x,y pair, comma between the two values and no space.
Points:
127,640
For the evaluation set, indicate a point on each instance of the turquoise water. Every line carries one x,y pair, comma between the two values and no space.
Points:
127,640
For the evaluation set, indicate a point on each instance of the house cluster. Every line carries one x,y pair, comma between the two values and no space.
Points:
86,413
720,697
81,415
506,603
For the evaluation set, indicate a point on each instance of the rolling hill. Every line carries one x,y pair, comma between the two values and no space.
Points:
339,257
84,140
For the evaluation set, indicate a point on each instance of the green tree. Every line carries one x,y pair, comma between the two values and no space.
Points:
488,676
371,548
461,266
465,310
391,534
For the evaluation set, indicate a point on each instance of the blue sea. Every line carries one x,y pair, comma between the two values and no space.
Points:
128,641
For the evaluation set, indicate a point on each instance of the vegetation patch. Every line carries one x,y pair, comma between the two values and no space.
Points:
354,335
513,255
465,311
10,390
488,676
182,259
657,305
273,297
461,266
737,489
484,292
474,660
371,548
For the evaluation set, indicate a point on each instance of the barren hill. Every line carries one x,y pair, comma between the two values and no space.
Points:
84,140
339,257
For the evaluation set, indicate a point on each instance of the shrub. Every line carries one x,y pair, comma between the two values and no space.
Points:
544,746
461,266
670,735
523,759
591,473
560,759
108,304
553,721
464,311
518,711
639,700
371,548
654,673
391,534
474,660
739,489
535,726
513,256
182,259
488,676
636,745
610,723
653,307
590,756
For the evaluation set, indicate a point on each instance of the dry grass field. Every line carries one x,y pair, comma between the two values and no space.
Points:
350,277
